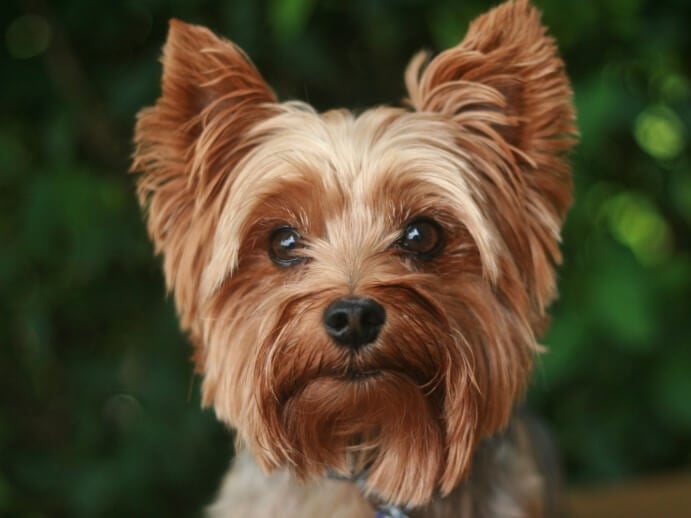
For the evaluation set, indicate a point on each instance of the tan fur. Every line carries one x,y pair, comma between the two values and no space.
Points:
481,151
247,492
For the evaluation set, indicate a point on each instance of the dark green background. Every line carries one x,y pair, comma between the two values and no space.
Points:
100,411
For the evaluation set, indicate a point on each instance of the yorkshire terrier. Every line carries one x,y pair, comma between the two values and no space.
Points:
365,292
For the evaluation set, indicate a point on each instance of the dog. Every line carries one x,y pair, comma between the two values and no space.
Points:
365,293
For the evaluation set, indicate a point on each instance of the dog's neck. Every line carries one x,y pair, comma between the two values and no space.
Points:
382,510
511,472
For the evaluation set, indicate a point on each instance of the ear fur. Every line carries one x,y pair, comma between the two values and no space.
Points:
187,145
505,81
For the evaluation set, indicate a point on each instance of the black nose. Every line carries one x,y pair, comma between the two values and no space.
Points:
354,322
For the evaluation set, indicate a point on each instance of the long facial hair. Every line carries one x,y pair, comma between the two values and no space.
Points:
481,151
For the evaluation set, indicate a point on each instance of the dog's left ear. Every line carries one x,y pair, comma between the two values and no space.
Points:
187,147
505,81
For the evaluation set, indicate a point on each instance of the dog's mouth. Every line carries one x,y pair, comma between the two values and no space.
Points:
358,370
354,374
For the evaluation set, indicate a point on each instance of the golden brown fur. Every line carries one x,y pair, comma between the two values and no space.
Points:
481,151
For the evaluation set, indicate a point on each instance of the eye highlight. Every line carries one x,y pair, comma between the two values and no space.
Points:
284,245
422,237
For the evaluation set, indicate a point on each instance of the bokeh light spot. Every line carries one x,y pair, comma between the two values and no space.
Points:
635,222
28,36
675,88
289,17
121,411
660,133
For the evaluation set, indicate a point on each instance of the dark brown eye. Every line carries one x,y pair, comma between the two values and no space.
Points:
423,238
284,246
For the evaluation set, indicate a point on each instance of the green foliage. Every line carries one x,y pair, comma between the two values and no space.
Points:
100,411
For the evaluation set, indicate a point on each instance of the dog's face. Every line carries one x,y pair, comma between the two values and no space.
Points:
363,292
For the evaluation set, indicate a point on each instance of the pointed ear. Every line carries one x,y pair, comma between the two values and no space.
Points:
506,89
204,74
187,146
507,75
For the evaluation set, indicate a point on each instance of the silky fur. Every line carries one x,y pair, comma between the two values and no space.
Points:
480,148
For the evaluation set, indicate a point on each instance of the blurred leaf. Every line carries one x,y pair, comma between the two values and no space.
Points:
289,17
672,385
623,302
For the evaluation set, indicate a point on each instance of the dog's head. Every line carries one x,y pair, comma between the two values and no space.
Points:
363,291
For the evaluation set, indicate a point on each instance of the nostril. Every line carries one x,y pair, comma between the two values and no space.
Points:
373,315
336,320
354,322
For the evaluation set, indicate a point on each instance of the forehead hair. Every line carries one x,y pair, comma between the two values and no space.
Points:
387,159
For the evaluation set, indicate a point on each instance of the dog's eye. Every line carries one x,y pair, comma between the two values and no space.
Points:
284,243
422,237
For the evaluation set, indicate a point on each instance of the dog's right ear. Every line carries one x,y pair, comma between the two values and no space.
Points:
187,146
